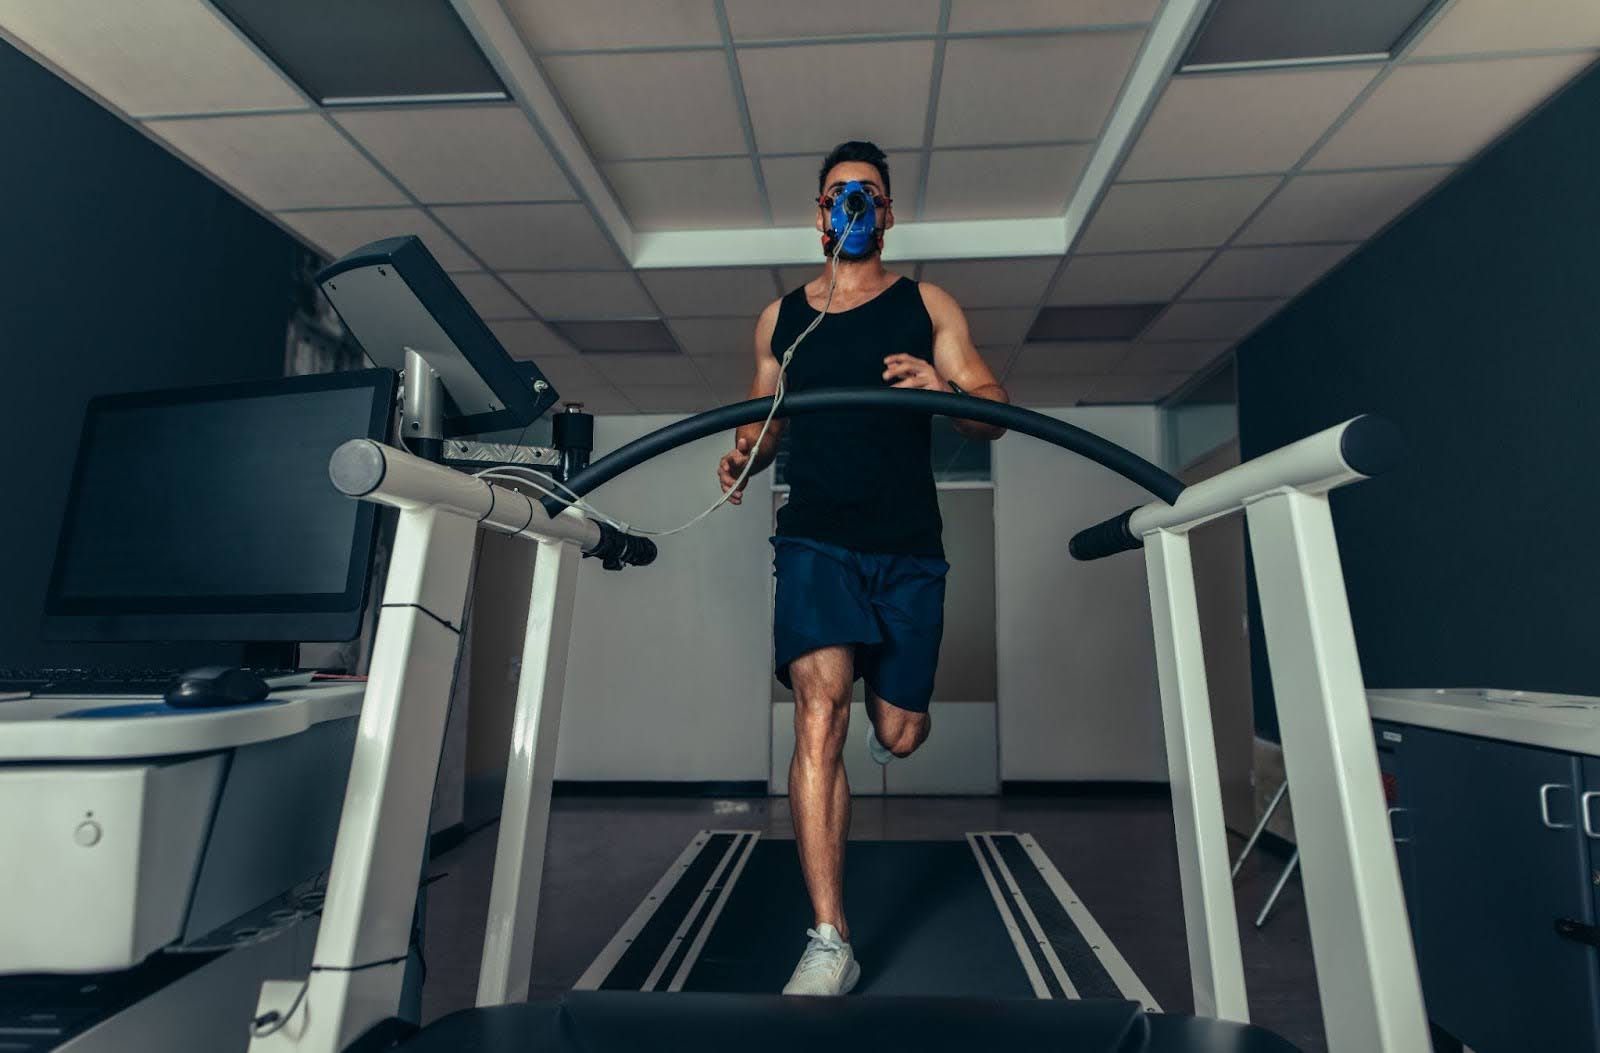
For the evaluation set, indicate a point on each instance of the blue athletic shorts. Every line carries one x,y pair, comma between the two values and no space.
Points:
891,607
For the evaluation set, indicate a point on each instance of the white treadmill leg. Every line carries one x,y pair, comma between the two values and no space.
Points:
1360,938
359,961
507,963
1216,963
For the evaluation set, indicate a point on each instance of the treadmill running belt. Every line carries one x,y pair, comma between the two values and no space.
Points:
987,916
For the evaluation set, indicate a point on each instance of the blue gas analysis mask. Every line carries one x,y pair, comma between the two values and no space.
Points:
858,203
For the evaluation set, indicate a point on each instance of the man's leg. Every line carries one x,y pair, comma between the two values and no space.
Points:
819,793
900,731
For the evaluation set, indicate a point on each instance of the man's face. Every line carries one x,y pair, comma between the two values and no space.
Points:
863,173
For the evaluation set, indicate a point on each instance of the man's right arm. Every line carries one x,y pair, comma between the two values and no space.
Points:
764,385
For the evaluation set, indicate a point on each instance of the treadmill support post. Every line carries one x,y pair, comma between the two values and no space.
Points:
1216,964
525,813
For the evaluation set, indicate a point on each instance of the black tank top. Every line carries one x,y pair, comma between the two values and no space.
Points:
860,479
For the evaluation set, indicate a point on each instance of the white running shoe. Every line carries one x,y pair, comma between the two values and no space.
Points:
879,751
828,967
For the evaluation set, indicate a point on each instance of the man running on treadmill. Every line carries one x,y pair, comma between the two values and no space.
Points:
858,555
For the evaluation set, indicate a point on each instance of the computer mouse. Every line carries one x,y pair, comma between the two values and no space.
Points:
216,685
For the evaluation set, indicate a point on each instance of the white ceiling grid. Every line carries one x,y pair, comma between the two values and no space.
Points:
671,117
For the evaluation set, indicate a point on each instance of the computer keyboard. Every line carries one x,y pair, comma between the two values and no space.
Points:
111,681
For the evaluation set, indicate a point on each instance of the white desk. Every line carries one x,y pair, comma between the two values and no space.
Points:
1568,723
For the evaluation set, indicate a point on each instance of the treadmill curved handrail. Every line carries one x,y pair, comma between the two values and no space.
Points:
1124,462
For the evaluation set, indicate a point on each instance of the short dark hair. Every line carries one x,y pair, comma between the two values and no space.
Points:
855,150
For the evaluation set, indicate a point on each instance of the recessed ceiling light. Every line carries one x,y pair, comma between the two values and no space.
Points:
1253,34
369,52
607,337
1122,321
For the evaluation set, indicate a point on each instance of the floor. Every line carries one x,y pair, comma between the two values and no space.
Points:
606,852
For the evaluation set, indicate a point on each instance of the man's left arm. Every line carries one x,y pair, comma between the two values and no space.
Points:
954,359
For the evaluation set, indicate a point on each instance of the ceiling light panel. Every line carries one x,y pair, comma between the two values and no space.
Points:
364,51
1101,323
1197,213
123,51
978,15
1241,123
285,160
1138,277
1007,183
765,20
338,231
1265,32
561,25
1069,82
650,104
715,193
460,153
795,106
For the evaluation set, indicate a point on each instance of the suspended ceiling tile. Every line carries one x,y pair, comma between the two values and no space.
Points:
1041,391
630,370
286,160
530,339
488,297
726,370
1196,213
337,232
1030,88
1008,183
689,398
558,25
581,294
1145,387
991,326
1339,206
968,15
652,104
992,283
791,278
570,372
1275,271
792,185
1172,358
460,153
1067,359
129,53
1512,25
741,292
727,394
688,195
997,358
716,337
1145,277
1226,320
531,237
766,20
795,106
1227,124
1443,113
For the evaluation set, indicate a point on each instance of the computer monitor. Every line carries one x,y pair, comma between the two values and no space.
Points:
207,514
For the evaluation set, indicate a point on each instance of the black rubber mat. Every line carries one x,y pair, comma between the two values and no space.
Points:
923,923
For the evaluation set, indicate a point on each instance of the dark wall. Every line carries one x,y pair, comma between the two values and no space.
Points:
1474,324
122,269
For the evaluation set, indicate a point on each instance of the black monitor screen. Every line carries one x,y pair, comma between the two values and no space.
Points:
208,514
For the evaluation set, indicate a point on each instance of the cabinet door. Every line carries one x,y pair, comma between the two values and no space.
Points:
1499,855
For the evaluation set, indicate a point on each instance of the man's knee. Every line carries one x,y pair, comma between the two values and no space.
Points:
903,736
